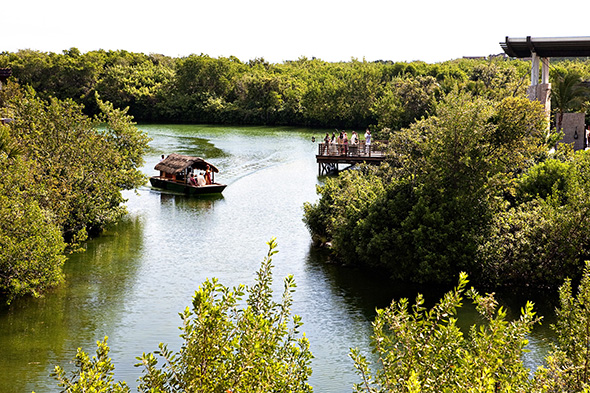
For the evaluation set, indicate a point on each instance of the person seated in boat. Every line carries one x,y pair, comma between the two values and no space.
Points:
208,175
192,180
201,180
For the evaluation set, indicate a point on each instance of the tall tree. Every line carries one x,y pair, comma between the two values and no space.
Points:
568,94
83,164
31,245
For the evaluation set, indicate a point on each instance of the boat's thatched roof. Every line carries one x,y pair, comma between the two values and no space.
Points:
176,163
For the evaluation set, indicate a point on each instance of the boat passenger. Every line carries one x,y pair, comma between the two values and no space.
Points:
192,180
208,175
201,180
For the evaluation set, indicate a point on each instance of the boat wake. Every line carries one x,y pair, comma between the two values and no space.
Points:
233,169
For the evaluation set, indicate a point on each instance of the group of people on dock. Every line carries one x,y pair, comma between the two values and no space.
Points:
341,145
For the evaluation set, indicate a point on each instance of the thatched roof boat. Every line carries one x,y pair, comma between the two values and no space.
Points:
177,173
176,163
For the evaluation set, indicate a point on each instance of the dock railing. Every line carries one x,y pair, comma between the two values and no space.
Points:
375,149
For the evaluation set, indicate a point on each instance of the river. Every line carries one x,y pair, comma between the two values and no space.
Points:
131,282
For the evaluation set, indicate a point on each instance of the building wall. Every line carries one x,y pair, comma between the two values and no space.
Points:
541,93
574,130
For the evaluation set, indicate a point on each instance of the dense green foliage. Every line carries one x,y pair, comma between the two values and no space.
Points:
541,239
311,92
61,179
424,215
228,346
469,185
31,245
568,365
471,188
423,350
82,167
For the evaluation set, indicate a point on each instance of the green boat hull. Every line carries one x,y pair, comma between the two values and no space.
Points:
170,185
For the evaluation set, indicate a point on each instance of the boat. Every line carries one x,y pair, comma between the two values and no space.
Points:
176,171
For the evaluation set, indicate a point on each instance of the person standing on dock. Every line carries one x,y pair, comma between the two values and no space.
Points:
333,145
353,148
345,144
353,138
367,141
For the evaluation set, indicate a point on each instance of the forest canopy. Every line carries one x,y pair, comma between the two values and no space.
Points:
303,92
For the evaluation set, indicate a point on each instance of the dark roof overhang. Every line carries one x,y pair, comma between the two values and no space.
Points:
547,46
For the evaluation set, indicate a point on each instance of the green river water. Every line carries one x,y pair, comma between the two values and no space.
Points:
132,282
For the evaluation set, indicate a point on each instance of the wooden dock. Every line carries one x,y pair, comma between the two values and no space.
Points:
331,155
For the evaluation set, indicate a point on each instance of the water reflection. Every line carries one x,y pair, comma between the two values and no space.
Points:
369,289
181,201
39,333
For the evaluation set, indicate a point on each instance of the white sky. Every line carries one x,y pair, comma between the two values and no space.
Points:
278,30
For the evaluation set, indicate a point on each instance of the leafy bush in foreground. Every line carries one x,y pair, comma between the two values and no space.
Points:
226,348
567,367
252,349
424,350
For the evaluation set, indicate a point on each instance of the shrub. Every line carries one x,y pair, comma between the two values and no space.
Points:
226,347
424,350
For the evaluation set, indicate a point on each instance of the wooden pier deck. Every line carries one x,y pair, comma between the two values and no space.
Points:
331,155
